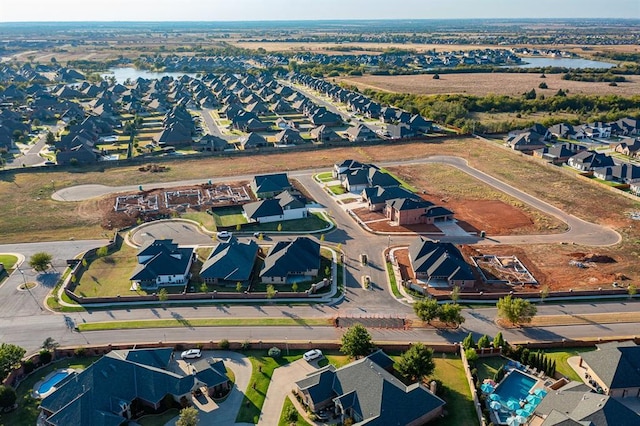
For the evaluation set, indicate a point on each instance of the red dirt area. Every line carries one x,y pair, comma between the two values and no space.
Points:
492,216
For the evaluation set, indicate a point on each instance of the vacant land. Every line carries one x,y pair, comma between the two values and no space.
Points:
477,204
482,84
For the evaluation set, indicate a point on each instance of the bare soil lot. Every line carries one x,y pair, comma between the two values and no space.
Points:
482,84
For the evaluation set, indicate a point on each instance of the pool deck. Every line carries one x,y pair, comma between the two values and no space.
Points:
37,394
539,384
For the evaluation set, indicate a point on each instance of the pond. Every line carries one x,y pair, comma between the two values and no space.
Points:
123,73
564,63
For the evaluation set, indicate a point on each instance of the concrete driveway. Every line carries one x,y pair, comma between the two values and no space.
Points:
282,383
210,412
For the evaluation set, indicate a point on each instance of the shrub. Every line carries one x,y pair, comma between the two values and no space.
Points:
45,356
274,352
291,414
224,344
246,345
80,352
472,355
28,366
7,396
543,85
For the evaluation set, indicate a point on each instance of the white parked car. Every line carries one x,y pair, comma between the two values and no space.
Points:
312,354
191,354
224,235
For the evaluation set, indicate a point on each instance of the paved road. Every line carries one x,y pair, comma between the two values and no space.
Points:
211,124
32,157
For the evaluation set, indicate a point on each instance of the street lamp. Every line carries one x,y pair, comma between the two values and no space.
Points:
24,279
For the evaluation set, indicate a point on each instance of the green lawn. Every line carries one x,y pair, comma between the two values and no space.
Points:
403,184
109,275
487,367
27,412
202,322
456,392
229,216
283,422
8,260
202,218
337,189
562,366
262,371
313,222
325,177
392,279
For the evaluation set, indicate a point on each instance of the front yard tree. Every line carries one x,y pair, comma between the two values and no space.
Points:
356,341
271,291
40,261
50,344
427,310
188,417
417,362
51,139
468,341
455,294
484,342
163,295
10,357
632,290
238,286
516,310
451,313
498,340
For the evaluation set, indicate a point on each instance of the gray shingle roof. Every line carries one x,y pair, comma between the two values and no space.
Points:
285,257
437,259
231,261
616,364
263,208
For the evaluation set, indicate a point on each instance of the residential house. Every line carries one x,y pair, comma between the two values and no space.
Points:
630,149
213,373
376,197
361,133
211,143
559,153
440,264
162,263
635,188
625,127
365,392
401,131
324,117
526,142
623,173
341,170
575,404
78,155
283,206
289,137
597,130
252,140
113,390
417,122
287,260
589,160
412,211
614,368
268,186
324,134
230,262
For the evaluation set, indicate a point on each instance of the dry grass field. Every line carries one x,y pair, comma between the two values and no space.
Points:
482,84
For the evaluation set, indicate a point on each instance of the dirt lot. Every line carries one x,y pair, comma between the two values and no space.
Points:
482,84
477,205
382,225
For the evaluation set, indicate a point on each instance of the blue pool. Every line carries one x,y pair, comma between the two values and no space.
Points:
511,390
52,381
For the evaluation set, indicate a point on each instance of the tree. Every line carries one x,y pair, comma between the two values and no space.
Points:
468,341
40,261
322,237
204,288
451,313
543,85
472,355
51,139
356,341
417,362
188,417
484,342
544,293
632,290
238,227
516,310
10,357
50,344
279,227
7,396
436,76
271,291
455,294
498,340
294,287
163,295
291,414
427,310
238,286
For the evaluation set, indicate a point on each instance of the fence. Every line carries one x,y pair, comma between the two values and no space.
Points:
472,387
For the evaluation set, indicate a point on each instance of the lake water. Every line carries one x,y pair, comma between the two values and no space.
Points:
563,63
122,74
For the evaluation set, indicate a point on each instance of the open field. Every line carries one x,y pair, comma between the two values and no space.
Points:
482,84
476,203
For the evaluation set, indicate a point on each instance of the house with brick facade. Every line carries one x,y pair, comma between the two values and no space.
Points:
440,264
411,211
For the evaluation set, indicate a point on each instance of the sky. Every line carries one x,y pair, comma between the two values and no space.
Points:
268,10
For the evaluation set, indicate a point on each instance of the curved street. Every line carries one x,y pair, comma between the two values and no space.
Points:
22,322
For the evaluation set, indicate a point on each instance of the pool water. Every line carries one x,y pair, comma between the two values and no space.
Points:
514,387
52,381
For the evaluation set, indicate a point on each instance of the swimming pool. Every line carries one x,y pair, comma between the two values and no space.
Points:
512,389
51,381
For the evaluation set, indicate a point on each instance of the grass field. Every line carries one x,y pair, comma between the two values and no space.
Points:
456,391
337,189
482,84
325,177
8,260
203,322
158,419
109,275
202,218
229,216
283,420
562,366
